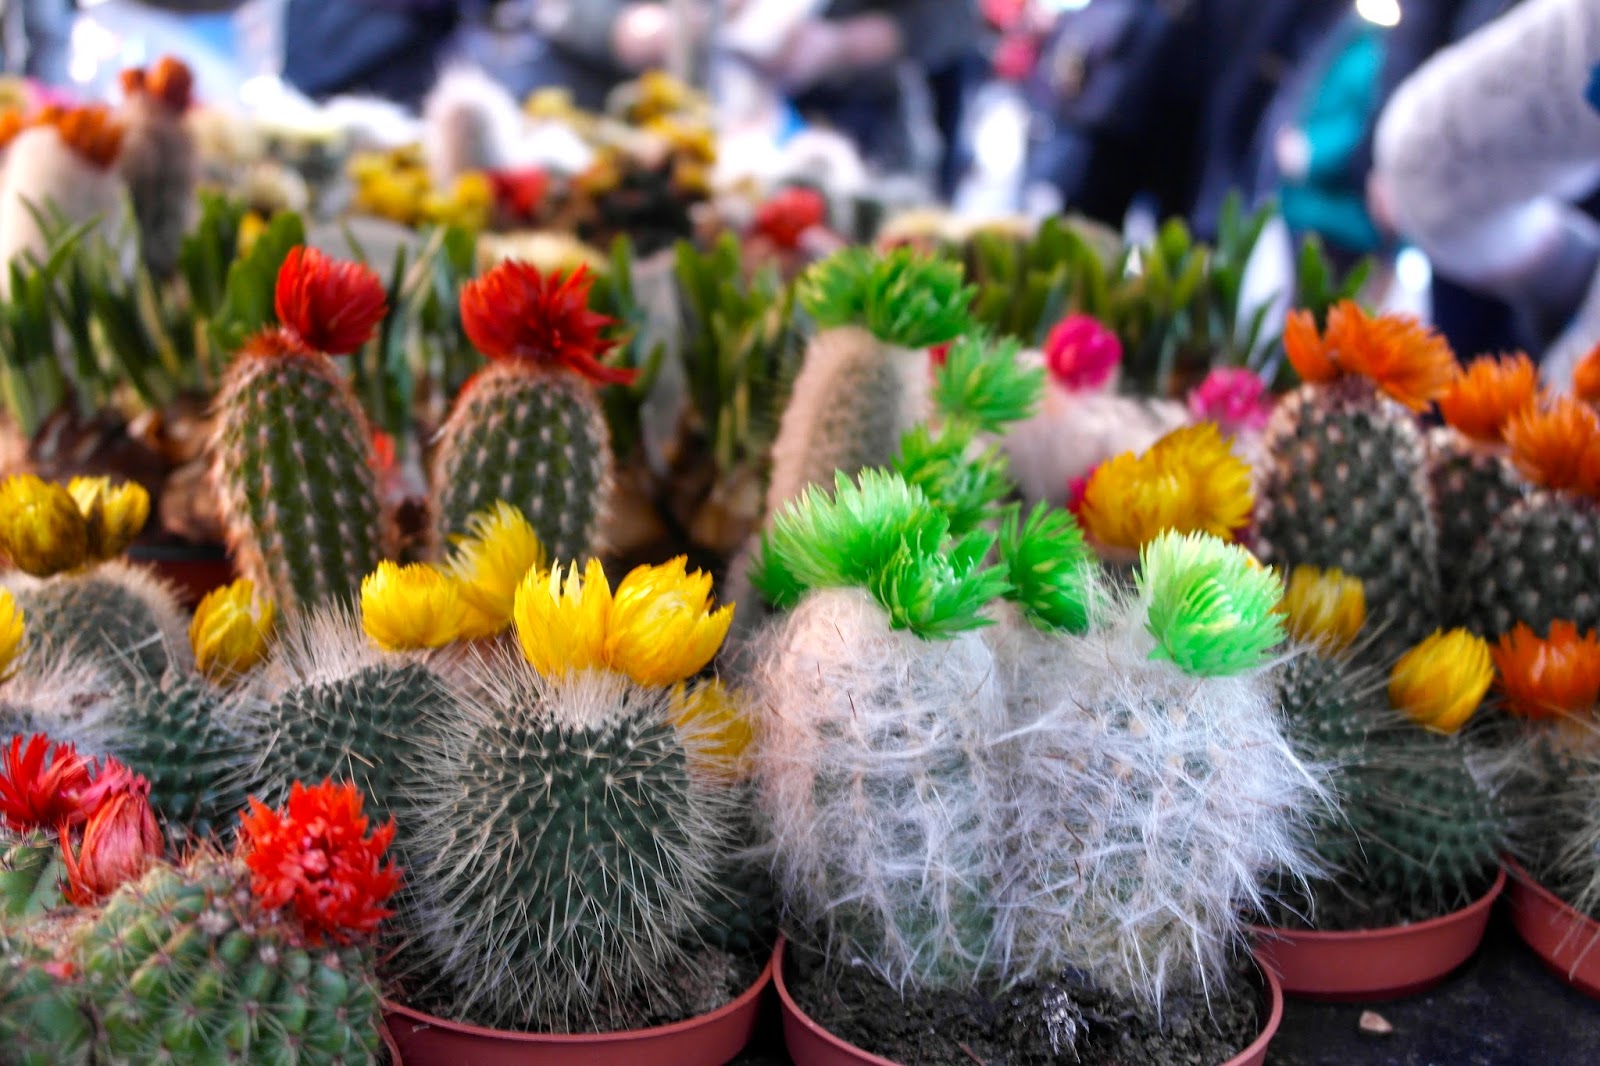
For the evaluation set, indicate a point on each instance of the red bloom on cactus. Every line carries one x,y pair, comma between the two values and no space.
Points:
1081,353
120,840
785,217
520,193
41,784
516,313
316,858
331,305
939,354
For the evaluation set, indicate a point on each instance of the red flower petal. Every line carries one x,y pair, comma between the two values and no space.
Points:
785,217
42,785
120,841
332,306
516,313
316,858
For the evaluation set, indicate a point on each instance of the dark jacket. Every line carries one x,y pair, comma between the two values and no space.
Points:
388,48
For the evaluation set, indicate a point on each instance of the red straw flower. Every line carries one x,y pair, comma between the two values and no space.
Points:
786,217
316,858
520,193
332,306
41,785
515,313
120,841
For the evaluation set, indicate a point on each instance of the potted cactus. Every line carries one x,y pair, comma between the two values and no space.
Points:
929,706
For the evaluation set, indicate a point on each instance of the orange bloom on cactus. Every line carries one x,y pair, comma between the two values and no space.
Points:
1410,363
316,858
517,313
1586,377
1307,354
12,122
92,133
330,305
1548,442
1549,678
41,784
121,839
1482,399
169,81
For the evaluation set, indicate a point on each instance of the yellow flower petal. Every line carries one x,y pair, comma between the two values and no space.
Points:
562,621
231,630
1324,607
115,515
489,563
13,633
718,721
405,608
662,627
41,529
1440,682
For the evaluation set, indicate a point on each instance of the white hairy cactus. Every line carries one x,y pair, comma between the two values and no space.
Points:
878,784
1147,807
44,175
470,123
70,698
1074,432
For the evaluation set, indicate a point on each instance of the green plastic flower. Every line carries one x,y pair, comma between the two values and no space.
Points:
985,383
902,298
1050,569
965,485
1211,605
935,594
844,539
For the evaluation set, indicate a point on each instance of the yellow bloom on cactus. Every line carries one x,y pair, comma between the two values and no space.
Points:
13,631
488,564
1220,498
719,722
663,628
1190,481
1129,501
115,515
42,531
562,620
231,630
407,608
1324,607
1440,682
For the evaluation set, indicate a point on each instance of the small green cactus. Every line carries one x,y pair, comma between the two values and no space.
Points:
179,730
42,1022
116,614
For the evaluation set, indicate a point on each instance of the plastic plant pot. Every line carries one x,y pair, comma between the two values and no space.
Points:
1376,964
712,1039
809,1044
1566,940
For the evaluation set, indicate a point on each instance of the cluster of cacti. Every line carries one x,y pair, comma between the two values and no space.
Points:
1345,485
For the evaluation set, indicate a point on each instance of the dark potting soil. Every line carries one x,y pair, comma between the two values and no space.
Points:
1054,1024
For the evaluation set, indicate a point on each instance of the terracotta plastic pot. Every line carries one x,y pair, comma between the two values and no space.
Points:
395,1058
1567,941
191,570
708,1040
1373,964
809,1044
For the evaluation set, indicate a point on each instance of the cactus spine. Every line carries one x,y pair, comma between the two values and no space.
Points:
117,614
293,454
530,430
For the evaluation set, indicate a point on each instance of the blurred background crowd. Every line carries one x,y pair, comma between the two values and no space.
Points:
1448,138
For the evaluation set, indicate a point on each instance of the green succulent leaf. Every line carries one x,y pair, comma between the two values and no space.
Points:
938,595
968,487
985,382
1051,570
1211,608
843,539
903,298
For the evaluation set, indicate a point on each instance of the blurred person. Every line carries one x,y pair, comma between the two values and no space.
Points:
389,48
1482,157
45,28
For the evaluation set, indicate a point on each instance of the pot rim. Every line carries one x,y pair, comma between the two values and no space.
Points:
738,1003
1477,906
1256,1047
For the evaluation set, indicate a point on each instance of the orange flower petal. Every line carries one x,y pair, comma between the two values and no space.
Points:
1586,377
1549,678
1548,443
1480,401
1306,351
1410,363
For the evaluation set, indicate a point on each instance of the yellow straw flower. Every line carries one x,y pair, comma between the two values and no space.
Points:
720,720
114,515
406,608
663,628
489,563
230,630
41,529
562,622
1440,682
1324,607
1220,496
13,631
1130,500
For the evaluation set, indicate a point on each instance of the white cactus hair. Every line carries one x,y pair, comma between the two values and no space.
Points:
1147,810
1075,431
525,938
320,646
70,698
876,785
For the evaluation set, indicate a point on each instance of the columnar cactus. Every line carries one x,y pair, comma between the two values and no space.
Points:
576,817
159,161
530,429
865,377
258,957
1348,487
293,454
